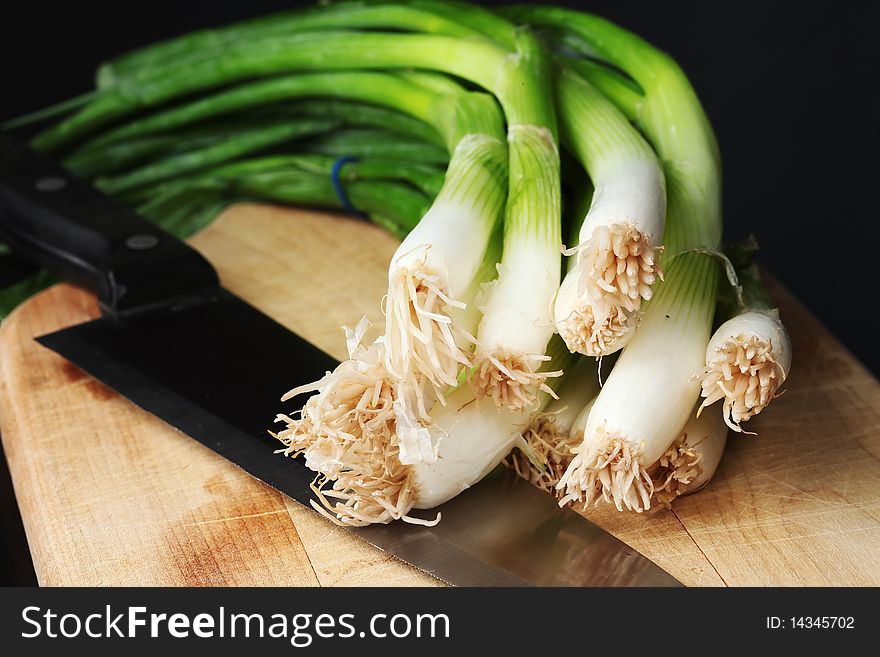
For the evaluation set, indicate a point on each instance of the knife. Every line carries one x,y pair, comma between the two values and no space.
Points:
176,343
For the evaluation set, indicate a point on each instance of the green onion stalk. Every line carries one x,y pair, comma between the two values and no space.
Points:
614,263
361,143
380,189
425,179
410,15
212,120
652,390
220,150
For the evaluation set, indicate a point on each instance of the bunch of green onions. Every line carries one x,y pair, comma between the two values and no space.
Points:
455,128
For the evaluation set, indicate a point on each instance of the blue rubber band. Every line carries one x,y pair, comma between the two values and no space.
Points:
337,184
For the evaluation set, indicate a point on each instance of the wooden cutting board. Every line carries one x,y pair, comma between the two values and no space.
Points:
110,495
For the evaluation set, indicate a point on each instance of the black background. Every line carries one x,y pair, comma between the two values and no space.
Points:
790,87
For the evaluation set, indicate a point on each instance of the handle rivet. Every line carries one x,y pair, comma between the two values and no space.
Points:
50,184
141,242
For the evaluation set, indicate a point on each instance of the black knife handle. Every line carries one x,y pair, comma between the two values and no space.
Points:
49,216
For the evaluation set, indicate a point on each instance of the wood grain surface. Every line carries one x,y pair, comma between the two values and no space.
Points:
111,495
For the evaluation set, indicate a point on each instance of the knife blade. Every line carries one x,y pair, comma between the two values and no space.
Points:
180,346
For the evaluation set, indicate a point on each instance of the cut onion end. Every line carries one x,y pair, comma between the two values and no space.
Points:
354,399
420,334
744,373
584,335
549,446
614,473
347,433
360,479
512,381
368,490
617,265
679,465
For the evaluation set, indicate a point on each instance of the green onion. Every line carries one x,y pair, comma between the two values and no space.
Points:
299,52
651,391
367,87
598,305
255,140
749,355
183,51
113,158
366,143
152,136
395,206
184,211
426,179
